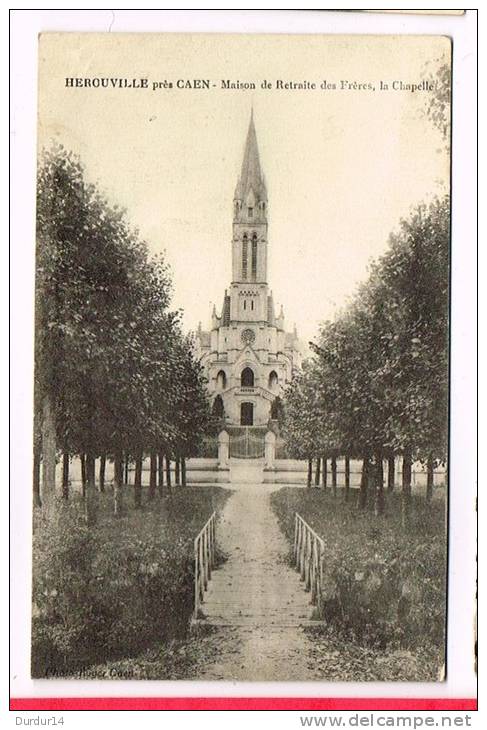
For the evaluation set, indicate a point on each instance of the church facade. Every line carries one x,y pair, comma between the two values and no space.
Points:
248,356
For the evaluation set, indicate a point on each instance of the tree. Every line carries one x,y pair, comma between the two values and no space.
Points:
87,259
438,101
377,384
114,374
193,415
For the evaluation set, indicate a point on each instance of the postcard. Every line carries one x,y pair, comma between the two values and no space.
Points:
242,421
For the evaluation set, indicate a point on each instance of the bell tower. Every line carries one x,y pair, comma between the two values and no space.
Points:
247,355
249,246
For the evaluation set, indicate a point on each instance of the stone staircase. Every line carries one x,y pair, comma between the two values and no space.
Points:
246,471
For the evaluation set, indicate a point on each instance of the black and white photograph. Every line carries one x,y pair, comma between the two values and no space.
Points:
241,387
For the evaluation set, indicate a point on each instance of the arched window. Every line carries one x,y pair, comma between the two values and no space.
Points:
218,409
273,379
245,253
221,380
247,378
254,256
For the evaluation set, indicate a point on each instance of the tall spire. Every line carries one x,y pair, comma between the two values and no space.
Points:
251,177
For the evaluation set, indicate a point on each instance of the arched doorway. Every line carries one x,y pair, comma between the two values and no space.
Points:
247,378
247,414
276,409
218,408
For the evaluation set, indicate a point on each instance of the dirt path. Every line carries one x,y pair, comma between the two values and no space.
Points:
257,614
255,600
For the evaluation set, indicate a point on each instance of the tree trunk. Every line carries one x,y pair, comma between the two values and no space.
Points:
317,472
48,453
101,474
65,476
379,485
347,478
371,482
153,474
334,475
177,472
183,471
36,477
391,472
82,459
310,472
406,487
364,483
117,484
324,474
430,477
160,467
138,480
90,497
168,473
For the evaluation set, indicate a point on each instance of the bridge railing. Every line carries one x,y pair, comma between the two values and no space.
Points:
204,560
309,558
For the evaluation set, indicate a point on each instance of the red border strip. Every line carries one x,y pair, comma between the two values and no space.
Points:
241,703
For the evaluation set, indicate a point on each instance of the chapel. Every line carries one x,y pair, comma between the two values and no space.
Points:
248,356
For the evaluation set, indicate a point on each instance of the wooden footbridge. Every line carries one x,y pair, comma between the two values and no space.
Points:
256,586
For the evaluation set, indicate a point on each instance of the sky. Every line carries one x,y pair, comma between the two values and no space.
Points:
342,165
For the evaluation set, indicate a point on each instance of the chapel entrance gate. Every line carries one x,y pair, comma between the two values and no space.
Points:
247,443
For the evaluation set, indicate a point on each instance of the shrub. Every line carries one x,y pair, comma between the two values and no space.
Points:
110,591
383,586
147,591
67,614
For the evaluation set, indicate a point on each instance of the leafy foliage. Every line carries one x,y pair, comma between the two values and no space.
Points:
382,587
378,380
107,591
438,109
110,355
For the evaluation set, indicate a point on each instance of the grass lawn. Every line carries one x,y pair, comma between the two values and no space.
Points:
180,658
110,591
385,586
177,517
334,519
